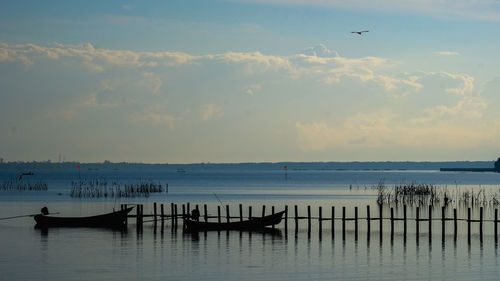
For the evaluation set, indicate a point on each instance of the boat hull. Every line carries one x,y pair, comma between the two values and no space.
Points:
253,224
113,220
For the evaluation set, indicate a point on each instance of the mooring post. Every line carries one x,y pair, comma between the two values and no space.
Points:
154,212
206,212
495,223
455,230
404,222
356,223
162,216
417,222
227,214
430,222
286,218
468,225
218,214
443,220
272,212
138,217
172,213
380,221
296,209
263,210
320,220
333,222
249,212
308,218
241,212
368,219
184,214
392,223
176,216
343,223
481,224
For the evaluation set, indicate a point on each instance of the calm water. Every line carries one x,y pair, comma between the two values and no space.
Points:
169,254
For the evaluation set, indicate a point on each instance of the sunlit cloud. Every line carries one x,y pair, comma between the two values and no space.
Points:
210,111
447,53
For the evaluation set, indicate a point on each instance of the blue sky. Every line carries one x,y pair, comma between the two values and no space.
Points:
238,81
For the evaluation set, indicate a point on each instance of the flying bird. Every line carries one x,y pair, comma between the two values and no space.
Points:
360,32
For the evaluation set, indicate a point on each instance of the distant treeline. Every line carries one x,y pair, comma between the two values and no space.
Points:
31,166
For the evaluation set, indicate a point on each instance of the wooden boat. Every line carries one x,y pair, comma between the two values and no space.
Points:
112,220
252,224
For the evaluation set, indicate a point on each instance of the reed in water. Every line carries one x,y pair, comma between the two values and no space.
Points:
429,194
100,188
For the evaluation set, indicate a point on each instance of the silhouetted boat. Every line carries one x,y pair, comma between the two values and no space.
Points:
28,174
252,224
112,220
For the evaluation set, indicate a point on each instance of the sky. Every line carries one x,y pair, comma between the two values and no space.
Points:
249,80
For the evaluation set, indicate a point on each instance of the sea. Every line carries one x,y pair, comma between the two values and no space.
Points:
295,252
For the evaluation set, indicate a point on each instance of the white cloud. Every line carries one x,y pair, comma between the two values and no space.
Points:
155,115
252,89
319,62
210,111
447,53
320,51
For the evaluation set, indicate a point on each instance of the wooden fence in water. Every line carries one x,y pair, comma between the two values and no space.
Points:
175,216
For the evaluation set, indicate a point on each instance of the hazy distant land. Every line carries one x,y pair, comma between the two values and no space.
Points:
106,165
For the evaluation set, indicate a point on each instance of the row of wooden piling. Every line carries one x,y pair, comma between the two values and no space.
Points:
174,217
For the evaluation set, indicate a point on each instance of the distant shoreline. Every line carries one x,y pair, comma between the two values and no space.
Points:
291,166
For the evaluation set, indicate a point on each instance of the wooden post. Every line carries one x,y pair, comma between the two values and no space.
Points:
343,223
333,222
175,215
263,210
320,220
404,222
138,218
496,229
308,219
218,214
392,223
162,216
443,220
205,211
241,212
172,213
368,220
430,222
455,230
249,212
380,221
286,218
227,214
356,223
154,212
184,214
481,224
417,222
188,209
272,212
468,225
296,218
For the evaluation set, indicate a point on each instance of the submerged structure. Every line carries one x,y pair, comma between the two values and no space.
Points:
496,168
